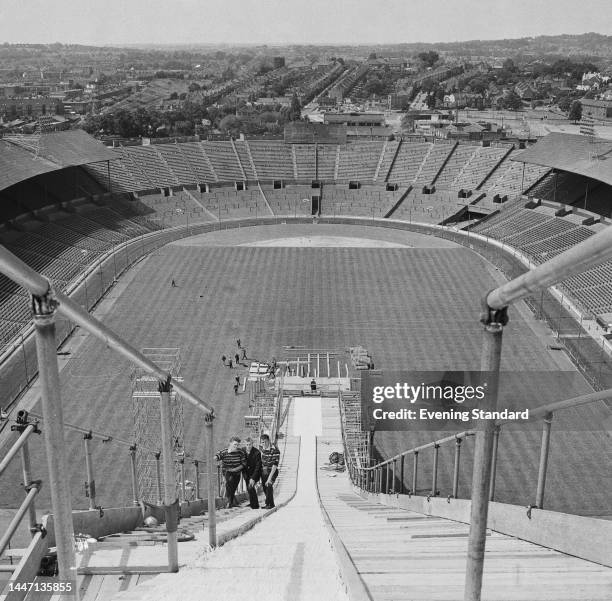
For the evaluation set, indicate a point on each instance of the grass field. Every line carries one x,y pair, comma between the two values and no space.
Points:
412,308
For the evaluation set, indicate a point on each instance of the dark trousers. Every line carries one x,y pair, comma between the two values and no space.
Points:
253,500
232,479
268,490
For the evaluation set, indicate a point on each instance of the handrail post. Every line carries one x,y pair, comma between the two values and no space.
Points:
44,309
543,460
170,506
196,479
27,480
496,433
434,472
401,487
160,493
91,482
456,467
212,524
183,489
415,470
133,473
481,476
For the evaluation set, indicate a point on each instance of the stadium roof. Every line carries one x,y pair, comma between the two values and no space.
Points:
584,155
23,157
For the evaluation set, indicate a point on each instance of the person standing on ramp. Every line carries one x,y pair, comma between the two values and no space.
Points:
270,456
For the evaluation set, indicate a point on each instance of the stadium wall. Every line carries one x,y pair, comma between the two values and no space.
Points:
18,364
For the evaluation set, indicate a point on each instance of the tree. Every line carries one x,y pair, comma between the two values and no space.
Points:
374,85
295,110
230,124
429,59
431,101
564,103
513,101
508,65
575,113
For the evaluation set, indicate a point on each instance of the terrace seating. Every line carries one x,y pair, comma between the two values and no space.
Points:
91,229
560,187
456,163
483,162
291,200
386,159
224,161
358,161
516,178
272,159
178,163
428,208
245,159
153,166
408,161
121,179
228,203
432,164
198,161
114,221
305,160
326,161
367,201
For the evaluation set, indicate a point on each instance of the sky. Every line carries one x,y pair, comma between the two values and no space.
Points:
116,22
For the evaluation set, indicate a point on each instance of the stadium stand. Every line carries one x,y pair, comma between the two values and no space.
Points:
305,158
359,161
566,188
515,177
387,156
272,159
177,163
326,155
155,169
244,157
114,176
292,200
457,162
368,201
224,160
408,161
484,163
199,162
434,161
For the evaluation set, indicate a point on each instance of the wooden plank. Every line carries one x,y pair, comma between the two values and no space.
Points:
93,585
118,570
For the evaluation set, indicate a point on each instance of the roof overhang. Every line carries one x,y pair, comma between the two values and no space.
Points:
583,155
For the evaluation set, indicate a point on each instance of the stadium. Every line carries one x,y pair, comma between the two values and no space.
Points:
327,261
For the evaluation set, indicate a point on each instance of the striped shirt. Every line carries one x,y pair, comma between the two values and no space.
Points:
233,461
269,457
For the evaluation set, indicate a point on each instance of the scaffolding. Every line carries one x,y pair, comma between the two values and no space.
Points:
147,424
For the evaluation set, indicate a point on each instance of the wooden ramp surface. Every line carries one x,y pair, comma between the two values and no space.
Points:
403,555
131,551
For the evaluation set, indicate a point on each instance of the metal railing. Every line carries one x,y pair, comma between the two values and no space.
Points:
46,303
32,487
90,485
587,254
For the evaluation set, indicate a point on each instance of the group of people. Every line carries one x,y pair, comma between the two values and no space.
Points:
254,465
229,362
